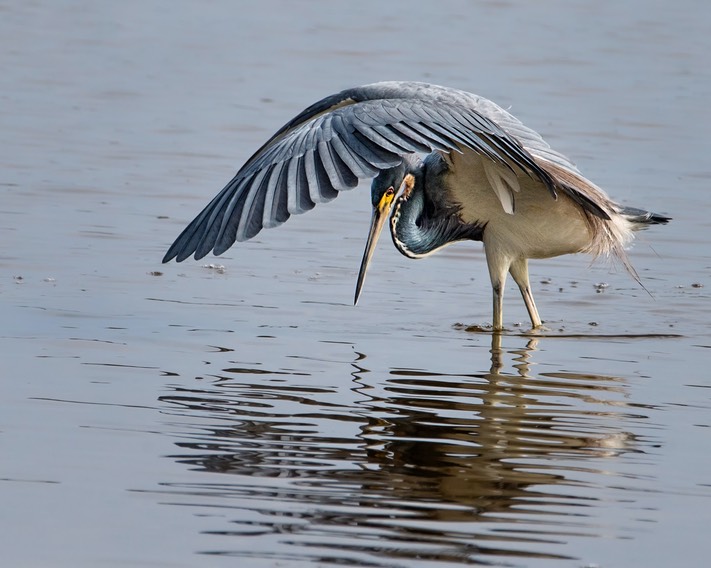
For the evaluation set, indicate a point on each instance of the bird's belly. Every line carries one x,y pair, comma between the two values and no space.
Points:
540,230
540,226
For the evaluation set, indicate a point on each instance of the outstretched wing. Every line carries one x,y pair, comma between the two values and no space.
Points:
350,136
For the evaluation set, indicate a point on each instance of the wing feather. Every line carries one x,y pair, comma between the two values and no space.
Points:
276,198
355,134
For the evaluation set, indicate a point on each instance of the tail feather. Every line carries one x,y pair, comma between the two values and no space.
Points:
641,218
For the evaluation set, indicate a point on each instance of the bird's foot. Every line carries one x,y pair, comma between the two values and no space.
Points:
479,328
537,330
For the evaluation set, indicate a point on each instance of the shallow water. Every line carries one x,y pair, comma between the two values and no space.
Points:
184,415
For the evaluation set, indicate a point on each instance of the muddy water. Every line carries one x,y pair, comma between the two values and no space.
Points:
239,411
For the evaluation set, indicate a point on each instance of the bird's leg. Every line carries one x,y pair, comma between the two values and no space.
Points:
519,272
498,269
498,288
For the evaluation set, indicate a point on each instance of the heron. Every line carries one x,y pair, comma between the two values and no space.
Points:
446,166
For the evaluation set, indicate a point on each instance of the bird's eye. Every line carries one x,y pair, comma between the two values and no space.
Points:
390,191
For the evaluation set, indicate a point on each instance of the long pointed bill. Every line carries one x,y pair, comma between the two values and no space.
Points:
380,216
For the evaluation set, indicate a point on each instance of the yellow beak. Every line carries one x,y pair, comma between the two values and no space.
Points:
380,216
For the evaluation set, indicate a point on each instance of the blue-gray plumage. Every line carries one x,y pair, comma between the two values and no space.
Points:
486,177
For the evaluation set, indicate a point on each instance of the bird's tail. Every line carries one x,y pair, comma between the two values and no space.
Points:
641,219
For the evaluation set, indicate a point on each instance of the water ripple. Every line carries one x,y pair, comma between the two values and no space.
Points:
473,468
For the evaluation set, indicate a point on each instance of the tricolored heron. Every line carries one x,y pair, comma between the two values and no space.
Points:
485,177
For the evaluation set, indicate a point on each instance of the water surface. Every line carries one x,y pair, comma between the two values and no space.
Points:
239,409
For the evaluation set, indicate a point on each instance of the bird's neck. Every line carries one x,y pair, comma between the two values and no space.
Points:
409,236
420,226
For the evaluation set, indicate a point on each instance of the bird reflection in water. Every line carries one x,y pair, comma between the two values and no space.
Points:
485,444
454,468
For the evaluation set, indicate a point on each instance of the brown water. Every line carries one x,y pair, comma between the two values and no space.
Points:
184,415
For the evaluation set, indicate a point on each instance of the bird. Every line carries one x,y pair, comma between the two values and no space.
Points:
446,166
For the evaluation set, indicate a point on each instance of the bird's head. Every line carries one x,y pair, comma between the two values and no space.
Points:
384,190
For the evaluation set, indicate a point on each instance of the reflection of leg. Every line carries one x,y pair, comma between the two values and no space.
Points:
496,354
522,360
519,272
